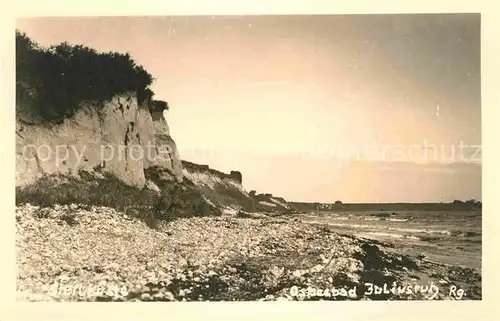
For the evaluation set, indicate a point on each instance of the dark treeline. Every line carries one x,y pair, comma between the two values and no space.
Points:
54,81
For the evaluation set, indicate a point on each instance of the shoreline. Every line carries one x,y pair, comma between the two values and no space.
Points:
446,244
222,258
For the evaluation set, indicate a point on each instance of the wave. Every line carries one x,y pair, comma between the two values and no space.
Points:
350,225
372,218
393,235
465,233
422,231
424,234
397,219
429,238
469,236
382,214
405,230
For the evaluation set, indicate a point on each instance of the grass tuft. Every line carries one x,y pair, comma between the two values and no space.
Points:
174,200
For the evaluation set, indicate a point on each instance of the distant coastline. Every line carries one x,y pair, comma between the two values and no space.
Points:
463,206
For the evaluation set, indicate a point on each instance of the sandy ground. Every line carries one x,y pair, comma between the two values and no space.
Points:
76,253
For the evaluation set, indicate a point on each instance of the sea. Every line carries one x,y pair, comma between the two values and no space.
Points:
449,237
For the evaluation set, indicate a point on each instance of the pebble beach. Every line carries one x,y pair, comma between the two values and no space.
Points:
90,253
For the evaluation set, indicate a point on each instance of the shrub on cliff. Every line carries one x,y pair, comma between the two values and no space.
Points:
158,105
54,81
174,200
88,190
179,201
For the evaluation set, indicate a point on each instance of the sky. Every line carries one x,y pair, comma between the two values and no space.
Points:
358,108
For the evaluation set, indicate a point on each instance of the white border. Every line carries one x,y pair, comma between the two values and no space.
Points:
480,310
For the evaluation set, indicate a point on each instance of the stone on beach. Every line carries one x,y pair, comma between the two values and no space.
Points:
262,260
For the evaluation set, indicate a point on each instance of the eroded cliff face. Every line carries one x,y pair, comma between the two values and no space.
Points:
226,190
221,189
119,137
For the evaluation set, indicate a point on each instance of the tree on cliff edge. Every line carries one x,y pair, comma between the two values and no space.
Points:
54,81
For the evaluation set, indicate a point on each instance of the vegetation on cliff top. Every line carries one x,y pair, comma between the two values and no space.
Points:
54,81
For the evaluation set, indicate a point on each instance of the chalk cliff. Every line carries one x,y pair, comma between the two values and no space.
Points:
118,136
90,131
